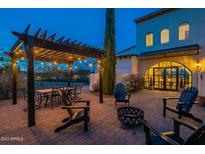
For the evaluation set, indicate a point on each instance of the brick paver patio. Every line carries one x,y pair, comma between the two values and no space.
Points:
104,127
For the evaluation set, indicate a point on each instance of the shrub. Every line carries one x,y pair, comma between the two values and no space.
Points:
134,83
5,83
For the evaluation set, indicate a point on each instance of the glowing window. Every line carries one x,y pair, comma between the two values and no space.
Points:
184,31
149,39
164,36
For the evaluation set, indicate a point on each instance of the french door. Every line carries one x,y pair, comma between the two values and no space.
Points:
166,78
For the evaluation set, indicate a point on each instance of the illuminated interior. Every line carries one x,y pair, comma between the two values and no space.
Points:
168,76
149,39
164,36
184,31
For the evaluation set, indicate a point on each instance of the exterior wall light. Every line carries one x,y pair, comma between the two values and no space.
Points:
198,66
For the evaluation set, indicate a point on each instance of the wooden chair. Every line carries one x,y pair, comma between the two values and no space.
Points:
185,102
54,96
173,138
76,113
121,96
76,92
24,93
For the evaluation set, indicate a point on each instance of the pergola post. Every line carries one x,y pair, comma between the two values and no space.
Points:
30,85
69,73
14,80
101,80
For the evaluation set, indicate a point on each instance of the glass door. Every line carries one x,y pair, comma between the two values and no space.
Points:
171,78
158,78
165,78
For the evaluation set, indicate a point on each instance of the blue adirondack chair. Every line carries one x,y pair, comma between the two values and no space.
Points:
185,102
121,96
154,137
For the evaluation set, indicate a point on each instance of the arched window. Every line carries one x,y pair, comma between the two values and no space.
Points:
149,39
184,31
164,36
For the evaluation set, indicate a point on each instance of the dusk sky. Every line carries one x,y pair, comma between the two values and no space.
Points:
84,25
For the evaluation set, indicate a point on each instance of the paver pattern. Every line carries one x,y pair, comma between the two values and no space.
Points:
104,127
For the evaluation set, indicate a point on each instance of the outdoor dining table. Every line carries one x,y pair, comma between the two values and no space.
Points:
44,94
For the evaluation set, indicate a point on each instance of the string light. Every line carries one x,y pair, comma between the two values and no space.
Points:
36,51
85,61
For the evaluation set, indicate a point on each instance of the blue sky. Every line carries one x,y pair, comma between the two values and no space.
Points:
86,25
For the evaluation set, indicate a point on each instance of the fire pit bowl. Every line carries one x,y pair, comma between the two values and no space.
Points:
130,116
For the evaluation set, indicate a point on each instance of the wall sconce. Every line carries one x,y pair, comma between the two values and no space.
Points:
198,66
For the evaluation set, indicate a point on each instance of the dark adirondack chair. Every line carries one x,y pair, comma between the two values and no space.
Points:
155,137
76,113
185,102
121,96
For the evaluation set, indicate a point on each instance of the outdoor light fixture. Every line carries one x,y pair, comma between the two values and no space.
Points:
36,51
198,66
99,61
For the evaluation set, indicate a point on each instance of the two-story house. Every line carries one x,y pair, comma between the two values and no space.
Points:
169,52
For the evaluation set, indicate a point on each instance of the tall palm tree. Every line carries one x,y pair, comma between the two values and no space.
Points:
109,56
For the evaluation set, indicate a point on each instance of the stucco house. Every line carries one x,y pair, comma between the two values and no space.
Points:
169,52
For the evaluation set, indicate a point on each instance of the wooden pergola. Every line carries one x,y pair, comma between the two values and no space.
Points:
42,48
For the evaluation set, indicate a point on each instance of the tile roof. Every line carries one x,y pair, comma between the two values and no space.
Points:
154,14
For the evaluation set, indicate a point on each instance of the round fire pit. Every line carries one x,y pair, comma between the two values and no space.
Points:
130,116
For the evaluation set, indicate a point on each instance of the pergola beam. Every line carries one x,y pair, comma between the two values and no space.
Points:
101,80
69,72
14,80
30,85
92,52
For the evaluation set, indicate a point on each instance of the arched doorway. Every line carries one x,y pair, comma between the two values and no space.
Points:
168,76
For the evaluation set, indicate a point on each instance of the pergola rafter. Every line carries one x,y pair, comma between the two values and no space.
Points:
42,48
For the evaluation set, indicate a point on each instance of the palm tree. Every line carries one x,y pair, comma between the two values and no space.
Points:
109,56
